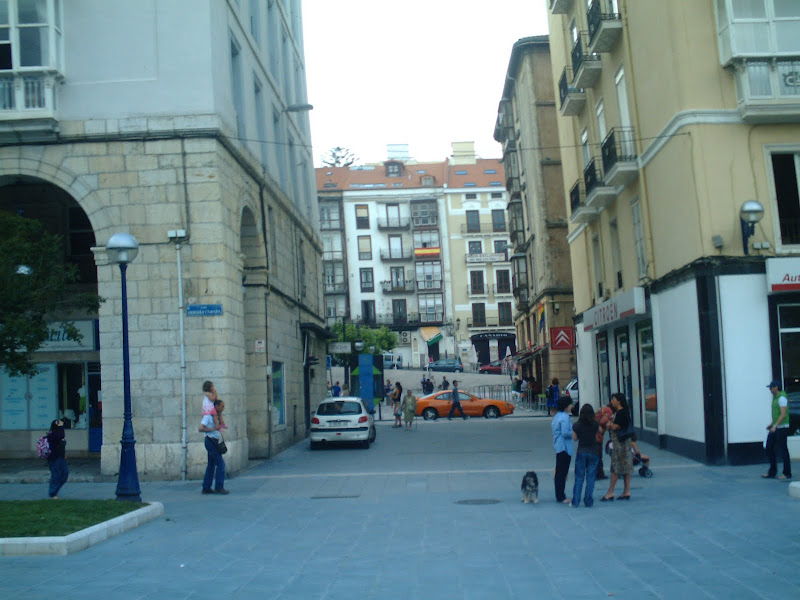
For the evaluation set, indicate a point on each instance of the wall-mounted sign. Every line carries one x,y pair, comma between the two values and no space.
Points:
625,305
783,274
562,338
203,310
58,341
261,347
490,257
340,347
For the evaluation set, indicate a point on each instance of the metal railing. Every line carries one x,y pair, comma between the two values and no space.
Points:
394,222
618,147
524,401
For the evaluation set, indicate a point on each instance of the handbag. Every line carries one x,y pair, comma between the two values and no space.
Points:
221,446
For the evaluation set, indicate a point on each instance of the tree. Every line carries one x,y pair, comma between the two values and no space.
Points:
37,289
339,157
376,340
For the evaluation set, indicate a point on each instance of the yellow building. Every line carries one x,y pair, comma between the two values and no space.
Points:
673,117
542,281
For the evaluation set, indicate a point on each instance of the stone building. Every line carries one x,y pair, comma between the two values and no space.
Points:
184,124
542,278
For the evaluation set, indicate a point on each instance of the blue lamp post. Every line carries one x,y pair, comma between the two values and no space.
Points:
122,248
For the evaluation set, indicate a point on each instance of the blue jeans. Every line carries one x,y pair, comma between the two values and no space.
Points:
58,474
585,468
215,462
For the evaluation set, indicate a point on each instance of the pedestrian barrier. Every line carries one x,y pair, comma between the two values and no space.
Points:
527,400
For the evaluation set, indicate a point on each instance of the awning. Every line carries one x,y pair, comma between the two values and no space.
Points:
526,355
431,335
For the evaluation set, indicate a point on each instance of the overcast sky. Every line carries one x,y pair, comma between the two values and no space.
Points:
418,72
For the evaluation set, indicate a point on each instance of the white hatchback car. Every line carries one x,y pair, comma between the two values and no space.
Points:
344,419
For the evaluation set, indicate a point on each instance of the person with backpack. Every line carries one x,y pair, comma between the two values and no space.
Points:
56,459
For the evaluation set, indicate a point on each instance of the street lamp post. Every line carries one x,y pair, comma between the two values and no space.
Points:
122,248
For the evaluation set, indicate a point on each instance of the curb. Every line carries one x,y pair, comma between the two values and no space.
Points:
80,540
794,489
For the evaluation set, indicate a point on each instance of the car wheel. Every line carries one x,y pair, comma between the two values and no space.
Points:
459,370
372,434
365,444
430,414
491,412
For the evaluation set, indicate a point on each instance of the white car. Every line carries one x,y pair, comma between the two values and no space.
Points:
344,419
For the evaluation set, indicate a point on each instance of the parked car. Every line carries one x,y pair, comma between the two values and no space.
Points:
495,367
571,390
438,405
388,361
344,419
447,364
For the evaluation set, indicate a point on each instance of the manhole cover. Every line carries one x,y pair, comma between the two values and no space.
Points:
479,501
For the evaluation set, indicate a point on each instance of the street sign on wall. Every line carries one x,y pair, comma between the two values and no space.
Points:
340,347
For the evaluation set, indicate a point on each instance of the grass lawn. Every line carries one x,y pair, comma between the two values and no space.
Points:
35,518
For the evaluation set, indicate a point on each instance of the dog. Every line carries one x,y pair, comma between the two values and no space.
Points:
530,488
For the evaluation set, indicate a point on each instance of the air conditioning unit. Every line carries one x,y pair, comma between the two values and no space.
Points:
405,337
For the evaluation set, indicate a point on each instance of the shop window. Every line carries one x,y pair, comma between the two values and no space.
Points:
647,375
278,395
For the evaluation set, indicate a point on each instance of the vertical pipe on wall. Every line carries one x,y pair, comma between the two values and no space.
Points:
184,449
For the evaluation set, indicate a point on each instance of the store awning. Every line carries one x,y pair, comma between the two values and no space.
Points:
526,355
431,335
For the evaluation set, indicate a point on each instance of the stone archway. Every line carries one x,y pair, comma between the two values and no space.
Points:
254,281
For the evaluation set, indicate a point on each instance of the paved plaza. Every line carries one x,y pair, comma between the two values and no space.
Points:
435,513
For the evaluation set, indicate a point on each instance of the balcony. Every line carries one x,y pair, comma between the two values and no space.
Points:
486,258
560,7
768,91
586,67
619,156
598,193
580,213
477,228
394,223
500,289
398,287
572,98
604,27
513,185
330,225
411,320
338,287
478,290
430,285
28,107
425,222
333,255
473,322
396,255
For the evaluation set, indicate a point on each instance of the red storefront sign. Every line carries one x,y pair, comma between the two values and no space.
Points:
562,338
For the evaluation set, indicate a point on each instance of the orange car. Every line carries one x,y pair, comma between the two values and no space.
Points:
438,405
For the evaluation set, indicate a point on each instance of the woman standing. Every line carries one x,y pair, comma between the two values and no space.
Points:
585,433
409,407
57,460
621,459
397,396
563,446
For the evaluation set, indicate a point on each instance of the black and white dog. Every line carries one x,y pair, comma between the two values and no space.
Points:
530,488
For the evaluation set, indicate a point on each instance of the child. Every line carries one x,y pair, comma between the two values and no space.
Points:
210,394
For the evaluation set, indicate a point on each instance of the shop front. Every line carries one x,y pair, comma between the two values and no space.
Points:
616,354
66,386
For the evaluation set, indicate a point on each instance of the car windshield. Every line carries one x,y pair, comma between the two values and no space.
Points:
330,409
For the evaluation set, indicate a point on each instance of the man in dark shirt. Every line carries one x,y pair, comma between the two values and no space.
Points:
456,403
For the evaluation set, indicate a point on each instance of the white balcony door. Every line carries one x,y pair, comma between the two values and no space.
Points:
395,246
393,215
626,140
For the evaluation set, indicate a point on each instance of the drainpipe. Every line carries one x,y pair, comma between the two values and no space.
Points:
179,236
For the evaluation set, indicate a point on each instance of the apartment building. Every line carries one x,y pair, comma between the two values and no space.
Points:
542,278
679,125
476,200
183,123
389,263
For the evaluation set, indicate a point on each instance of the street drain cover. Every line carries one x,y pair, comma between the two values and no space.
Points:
479,501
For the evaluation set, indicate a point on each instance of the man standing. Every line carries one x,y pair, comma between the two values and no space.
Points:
215,470
456,403
778,433
337,390
445,383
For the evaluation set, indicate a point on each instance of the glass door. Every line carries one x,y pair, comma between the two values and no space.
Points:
624,384
604,382
647,375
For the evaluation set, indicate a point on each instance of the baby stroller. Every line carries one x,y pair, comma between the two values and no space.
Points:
638,458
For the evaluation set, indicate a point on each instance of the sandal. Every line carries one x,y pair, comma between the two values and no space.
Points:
783,477
768,476
607,499
624,497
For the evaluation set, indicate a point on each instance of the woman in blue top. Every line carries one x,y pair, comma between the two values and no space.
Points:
563,446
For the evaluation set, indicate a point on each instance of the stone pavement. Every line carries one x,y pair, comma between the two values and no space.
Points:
435,513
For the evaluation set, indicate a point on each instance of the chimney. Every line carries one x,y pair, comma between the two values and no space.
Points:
463,153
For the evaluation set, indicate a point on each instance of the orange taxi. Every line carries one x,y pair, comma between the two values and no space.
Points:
438,405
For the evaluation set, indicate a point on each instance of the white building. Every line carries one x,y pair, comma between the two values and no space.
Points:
190,117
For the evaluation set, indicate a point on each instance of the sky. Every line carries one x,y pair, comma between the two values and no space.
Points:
419,72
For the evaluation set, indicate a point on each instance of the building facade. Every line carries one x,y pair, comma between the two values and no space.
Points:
396,261
672,117
542,278
197,144
475,200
